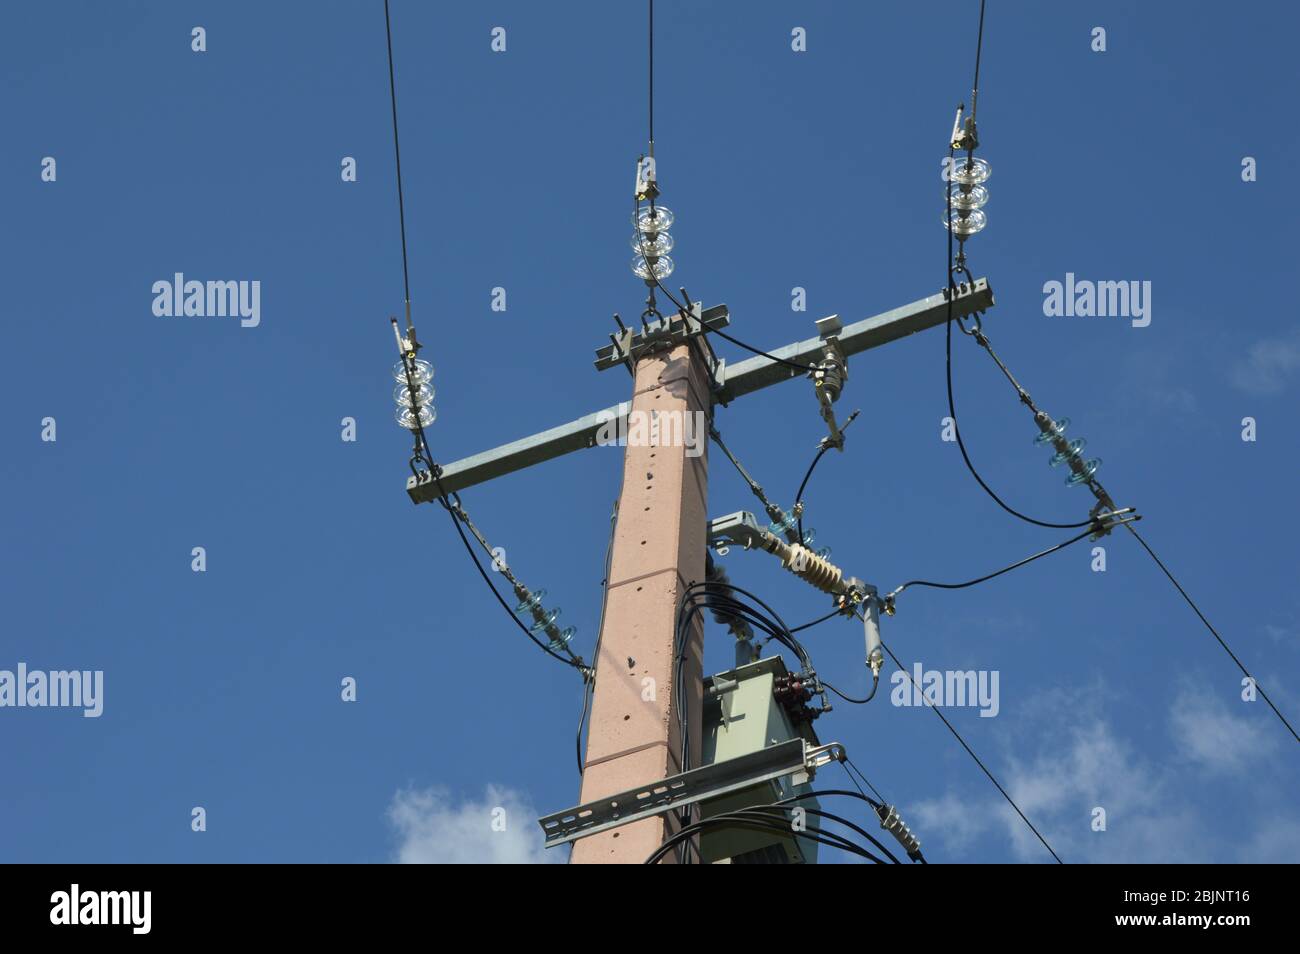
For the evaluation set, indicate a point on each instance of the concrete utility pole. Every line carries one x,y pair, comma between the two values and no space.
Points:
659,546
660,539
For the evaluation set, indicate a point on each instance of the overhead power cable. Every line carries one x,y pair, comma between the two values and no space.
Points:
952,412
754,820
979,49
422,456
651,84
823,446
875,683
397,155
953,266
683,309
850,768
1104,500
971,752
1214,632
838,611
726,337
889,599
457,513
771,818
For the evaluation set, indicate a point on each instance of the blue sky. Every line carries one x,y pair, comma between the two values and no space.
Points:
817,169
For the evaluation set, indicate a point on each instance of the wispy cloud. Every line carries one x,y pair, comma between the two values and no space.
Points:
500,828
1268,365
1275,841
1210,735
1280,634
961,822
1088,767
1065,759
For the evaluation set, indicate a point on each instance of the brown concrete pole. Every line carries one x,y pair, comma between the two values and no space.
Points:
659,547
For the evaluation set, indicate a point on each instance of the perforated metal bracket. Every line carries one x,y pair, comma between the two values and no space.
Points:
630,344
795,757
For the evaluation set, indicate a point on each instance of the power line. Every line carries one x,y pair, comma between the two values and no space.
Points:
455,513
859,702
881,808
952,409
825,444
740,344
820,619
756,820
771,818
798,497
952,266
848,764
715,331
889,600
957,735
971,752
422,453
1214,632
764,818
689,600
979,49
651,84
839,819
397,153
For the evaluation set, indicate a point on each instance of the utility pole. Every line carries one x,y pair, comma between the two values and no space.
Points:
659,546
661,535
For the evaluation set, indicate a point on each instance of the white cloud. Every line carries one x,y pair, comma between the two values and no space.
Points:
1064,758
1268,365
501,828
1280,634
1088,767
960,822
1276,841
1207,733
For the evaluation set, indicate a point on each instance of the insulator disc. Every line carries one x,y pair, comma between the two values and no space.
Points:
1076,447
406,417
656,246
781,527
663,267
534,600
1046,437
545,621
977,171
964,227
658,219
562,638
421,372
423,395
974,199
1085,475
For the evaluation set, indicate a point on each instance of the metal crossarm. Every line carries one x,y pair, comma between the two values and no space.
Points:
794,757
759,372
744,377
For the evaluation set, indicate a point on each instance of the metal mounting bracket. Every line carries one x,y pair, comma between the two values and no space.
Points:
629,344
794,757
